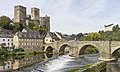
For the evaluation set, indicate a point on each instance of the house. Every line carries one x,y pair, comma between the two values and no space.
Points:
28,39
6,37
52,37
109,27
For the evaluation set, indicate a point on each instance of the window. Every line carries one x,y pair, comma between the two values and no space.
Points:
8,39
11,39
8,43
11,43
3,39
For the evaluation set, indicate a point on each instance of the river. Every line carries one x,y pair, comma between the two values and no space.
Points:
53,64
60,63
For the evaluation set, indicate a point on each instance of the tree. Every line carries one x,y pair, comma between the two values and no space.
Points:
79,35
2,45
31,25
116,28
36,27
18,26
4,20
95,36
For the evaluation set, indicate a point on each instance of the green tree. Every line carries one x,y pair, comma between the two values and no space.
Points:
79,35
2,45
31,25
36,27
4,20
94,36
116,28
18,27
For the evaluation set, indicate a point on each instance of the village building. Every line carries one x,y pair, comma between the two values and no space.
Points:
109,27
28,39
6,37
52,37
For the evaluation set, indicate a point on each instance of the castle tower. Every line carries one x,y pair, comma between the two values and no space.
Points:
45,22
19,14
34,13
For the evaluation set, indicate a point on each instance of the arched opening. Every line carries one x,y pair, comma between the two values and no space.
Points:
64,49
116,53
88,49
49,51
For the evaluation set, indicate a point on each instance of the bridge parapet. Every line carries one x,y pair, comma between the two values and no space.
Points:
105,48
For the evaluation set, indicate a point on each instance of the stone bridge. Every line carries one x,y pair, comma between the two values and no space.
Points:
107,49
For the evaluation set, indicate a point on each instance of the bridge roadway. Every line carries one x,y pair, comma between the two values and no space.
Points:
107,49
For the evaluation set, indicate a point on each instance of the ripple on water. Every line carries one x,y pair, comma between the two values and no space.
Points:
61,63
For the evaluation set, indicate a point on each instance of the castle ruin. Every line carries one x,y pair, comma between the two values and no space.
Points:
20,16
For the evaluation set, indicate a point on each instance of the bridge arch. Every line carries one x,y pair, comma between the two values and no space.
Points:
114,52
83,48
64,48
49,49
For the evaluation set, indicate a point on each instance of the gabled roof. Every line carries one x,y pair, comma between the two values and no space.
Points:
6,33
108,25
29,34
52,35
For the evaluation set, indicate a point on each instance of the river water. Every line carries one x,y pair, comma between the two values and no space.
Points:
60,63
53,64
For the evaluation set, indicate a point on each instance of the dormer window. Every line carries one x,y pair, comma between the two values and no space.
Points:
24,30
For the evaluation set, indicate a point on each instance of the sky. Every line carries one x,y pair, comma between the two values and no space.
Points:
70,16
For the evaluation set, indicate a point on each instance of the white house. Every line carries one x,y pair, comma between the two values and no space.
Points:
7,39
109,27
52,37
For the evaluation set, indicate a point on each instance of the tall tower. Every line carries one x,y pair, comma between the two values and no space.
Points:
34,13
19,14
45,22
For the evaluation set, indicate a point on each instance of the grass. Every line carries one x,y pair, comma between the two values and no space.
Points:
89,67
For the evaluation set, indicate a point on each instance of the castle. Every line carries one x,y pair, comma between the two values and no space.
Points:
20,16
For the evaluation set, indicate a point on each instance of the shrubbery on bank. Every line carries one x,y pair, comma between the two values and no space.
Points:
95,67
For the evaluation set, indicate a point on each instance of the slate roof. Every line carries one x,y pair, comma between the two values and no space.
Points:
53,35
30,34
108,25
6,33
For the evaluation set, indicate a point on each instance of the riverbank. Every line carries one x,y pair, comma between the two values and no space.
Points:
20,54
95,67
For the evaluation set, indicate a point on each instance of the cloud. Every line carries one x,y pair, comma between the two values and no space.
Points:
70,16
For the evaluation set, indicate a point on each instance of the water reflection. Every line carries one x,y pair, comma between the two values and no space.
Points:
19,62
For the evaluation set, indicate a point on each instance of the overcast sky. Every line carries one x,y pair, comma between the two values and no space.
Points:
70,16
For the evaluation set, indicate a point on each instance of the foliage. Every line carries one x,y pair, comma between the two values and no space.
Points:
36,27
18,27
4,20
18,50
2,45
78,36
94,36
31,25
95,67
90,50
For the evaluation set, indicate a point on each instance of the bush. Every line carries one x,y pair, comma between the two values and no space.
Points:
18,50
